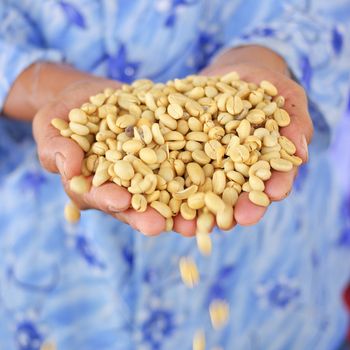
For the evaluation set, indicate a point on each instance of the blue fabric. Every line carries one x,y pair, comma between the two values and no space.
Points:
99,285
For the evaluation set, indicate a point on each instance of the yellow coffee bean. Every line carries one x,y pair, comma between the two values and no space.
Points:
197,136
195,124
213,202
207,186
261,132
92,162
168,121
174,186
280,100
216,133
100,177
141,167
287,145
200,157
210,91
196,173
146,134
186,212
132,146
59,124
167,173
236,177
230,196
241,168
148,155
169,224
124,170
82,141
224,217
219,313
198,342
243,130
269,88
139,202
255,97
164,197
225,118
270,155
113,156
189,272
208,169
174,205
282,117
88,108
157,135
204,243
175,110
68,132
162,209
270,141
161,183
79,184
71,213
184,194
173,136
176,145
205,222
78,116
281,164
126,121
99,148
229,77
259,198
256,116
270,108
256,184
98,99
291,158
263,174
196,200
154,196
150,101
271,125
48,346
104,135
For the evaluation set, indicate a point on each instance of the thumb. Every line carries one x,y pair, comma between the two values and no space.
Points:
56,153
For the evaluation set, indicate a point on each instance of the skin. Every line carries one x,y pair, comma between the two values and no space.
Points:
45,91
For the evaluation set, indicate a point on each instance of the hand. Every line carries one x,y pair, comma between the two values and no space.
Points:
62,155
299,131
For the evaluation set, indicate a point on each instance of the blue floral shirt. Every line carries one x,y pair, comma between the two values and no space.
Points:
98,284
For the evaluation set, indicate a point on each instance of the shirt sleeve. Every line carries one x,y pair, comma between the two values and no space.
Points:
312,36
21,44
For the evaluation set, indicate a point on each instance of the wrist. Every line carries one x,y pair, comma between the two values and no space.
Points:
256,55
39,85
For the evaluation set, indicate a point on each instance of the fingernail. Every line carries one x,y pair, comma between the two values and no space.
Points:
305,148
60,163
114,209
117,208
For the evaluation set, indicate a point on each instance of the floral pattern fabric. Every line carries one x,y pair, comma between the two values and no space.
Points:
99,284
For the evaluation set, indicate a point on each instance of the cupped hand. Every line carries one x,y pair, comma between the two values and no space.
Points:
62,155
299,132
59,154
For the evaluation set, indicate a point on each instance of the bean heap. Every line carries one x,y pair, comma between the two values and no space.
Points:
189,146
